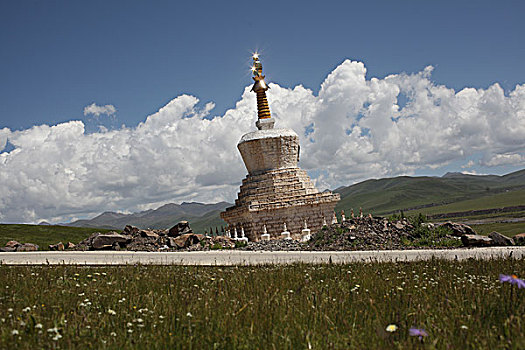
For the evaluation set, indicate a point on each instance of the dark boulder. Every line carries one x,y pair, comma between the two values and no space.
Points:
520,239
27,247
131,230
185,240
7,249
459,230
106,241
501,240
13,244
476,241
59,246
148,234
181,228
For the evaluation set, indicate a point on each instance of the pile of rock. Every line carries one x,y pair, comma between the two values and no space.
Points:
363,233
178,237
15,246
470,238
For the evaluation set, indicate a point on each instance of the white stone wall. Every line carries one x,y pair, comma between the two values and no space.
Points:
276,197
267,153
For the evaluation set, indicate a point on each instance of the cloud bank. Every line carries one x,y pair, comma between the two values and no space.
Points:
354,128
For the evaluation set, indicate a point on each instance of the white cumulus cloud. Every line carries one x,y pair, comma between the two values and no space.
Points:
97,110
352,129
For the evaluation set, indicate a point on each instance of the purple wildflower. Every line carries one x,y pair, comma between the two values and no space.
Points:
512,279
417,332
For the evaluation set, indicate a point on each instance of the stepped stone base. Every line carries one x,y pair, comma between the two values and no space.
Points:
276,197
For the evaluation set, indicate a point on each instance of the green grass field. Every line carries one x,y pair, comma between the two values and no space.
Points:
508,229
499,200
460,305
44,235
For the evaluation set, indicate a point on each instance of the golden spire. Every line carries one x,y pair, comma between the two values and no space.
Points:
260,88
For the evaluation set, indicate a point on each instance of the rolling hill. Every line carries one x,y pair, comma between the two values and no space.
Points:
388,195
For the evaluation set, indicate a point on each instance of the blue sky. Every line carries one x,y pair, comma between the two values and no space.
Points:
59,56
449,95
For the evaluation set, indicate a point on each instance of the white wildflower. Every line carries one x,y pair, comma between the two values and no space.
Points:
391,328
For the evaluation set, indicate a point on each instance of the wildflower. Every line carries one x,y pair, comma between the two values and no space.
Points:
113,334
22,324
27,309
130,330
129,324
512,279
417,332
10,310
161,317
112,312
56,337
140,320
463,327
14,332
391,328
38,326
189,314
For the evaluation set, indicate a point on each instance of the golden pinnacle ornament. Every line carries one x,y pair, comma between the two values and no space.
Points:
260,87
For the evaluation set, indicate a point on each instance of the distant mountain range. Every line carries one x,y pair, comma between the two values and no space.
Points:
198,214
379,197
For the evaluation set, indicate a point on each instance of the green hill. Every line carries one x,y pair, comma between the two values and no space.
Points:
385,196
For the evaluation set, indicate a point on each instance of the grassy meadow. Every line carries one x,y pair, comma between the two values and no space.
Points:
459,305
44,235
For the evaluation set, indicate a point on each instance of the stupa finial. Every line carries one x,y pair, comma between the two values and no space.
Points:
260,87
